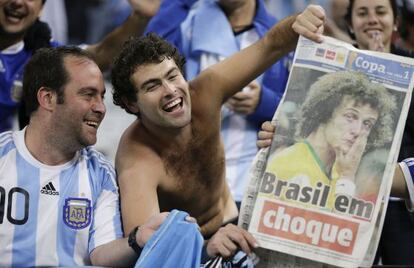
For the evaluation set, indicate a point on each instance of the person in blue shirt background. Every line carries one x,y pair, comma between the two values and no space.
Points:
21,33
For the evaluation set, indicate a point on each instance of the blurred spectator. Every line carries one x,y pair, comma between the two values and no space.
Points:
282,8
89,21
54,14
105,17
405,39
336,25
22,33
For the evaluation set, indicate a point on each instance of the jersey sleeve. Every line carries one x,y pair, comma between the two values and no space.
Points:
407,167
107,219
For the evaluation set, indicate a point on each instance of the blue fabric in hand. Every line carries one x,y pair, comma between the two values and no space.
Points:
177,243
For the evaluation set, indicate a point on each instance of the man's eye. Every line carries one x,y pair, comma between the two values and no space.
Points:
172,77
350,116
151,88
88,94
368,124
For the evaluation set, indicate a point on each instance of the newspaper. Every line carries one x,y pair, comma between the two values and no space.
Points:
317,197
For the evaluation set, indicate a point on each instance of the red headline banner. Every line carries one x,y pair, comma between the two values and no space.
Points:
308,227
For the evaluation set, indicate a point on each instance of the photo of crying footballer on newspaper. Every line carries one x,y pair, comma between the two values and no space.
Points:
333,137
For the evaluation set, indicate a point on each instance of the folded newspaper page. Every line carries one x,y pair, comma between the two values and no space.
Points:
318,196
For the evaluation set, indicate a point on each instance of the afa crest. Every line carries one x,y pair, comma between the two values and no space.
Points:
77,212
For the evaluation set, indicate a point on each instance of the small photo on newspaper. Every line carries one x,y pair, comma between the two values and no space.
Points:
338,133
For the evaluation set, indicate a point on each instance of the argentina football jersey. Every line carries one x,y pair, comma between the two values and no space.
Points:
68,209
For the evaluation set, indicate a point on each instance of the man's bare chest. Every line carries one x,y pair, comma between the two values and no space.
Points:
194,174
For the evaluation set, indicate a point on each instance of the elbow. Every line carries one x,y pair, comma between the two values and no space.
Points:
95,258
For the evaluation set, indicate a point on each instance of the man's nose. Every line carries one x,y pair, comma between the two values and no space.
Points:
169,87
357,127
17,2
99,106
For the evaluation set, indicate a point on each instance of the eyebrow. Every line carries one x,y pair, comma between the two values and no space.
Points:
95,90
366,8
154,80
359,112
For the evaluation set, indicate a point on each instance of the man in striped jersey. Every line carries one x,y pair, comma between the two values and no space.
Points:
58,197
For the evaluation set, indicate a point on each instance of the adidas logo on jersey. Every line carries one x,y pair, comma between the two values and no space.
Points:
49,189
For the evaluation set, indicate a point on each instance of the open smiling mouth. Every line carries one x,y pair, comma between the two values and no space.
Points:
92,124
173,106
13,15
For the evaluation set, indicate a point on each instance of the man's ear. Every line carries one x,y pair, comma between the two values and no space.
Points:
132,106
47,98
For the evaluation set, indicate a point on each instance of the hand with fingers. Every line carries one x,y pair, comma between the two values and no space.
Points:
376,42
310,23
347,162
245,101
228,240
151,226
265,135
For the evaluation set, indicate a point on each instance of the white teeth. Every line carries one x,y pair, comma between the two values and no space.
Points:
177,101
14,14
91,123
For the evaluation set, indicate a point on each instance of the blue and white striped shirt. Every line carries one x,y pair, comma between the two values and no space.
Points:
54,215
407,167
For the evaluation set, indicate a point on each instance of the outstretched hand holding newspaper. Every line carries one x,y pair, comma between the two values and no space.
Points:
310,23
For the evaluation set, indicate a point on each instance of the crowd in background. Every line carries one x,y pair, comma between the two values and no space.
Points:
87,22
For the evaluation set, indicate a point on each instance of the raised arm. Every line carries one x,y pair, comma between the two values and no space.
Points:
107,49
167,21
235,72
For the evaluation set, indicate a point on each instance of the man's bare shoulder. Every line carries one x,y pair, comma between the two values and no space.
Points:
134,154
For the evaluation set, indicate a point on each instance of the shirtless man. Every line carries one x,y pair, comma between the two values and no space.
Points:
172,156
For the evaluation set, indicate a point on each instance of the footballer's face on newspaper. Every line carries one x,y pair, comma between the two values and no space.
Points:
16,16
163,97
350,120
372,19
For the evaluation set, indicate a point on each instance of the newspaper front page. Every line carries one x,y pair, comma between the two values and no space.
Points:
318,196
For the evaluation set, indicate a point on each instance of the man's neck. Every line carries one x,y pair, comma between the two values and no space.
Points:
241,16
166,138
44,147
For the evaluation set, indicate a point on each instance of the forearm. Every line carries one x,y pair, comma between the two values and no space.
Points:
114,254
106,50
399,184
281,38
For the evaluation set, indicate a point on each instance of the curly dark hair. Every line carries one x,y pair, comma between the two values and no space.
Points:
328,92
135,52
